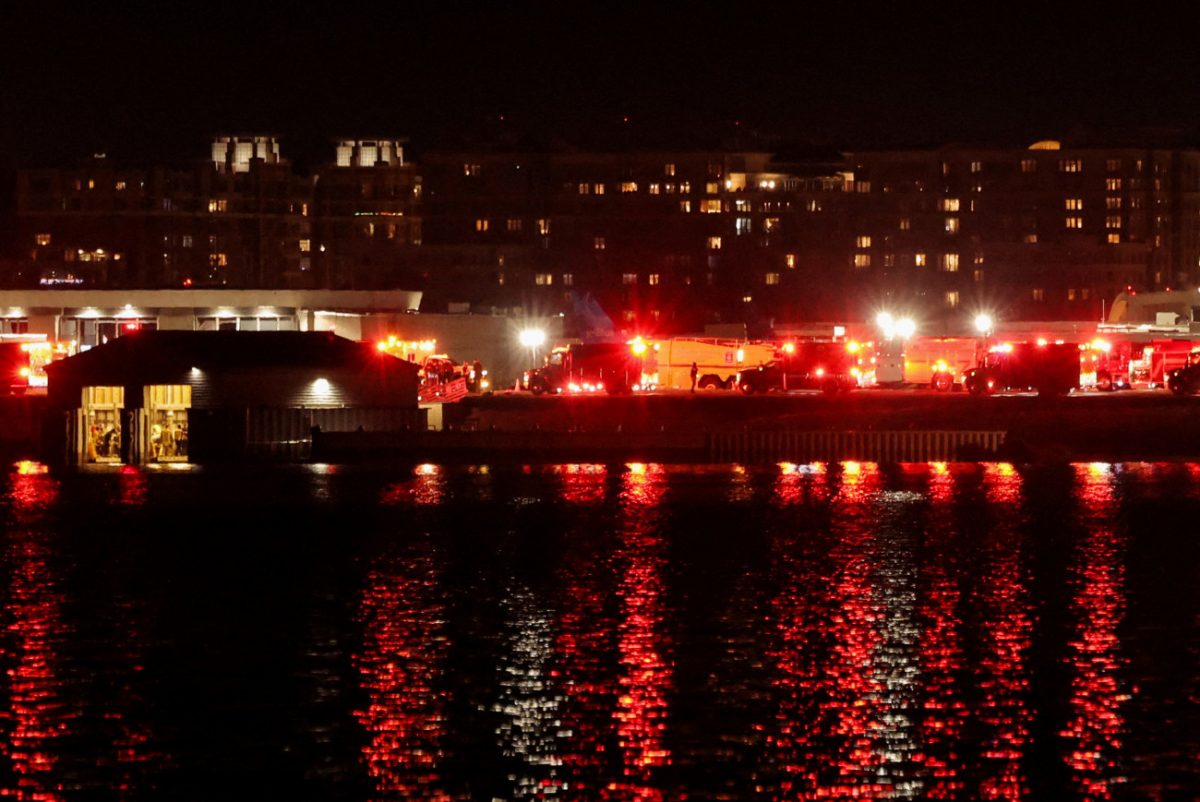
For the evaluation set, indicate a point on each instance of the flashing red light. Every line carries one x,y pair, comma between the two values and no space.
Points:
131,327
187,282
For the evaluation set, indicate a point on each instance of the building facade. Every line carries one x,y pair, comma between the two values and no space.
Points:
665,242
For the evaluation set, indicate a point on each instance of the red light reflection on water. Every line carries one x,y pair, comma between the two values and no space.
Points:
132,492
1098,688
645,670
583,484
38,716
798,484
1006,633
833,722
402,657
427,487
944,713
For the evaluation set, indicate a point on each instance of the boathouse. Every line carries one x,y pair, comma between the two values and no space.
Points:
187,396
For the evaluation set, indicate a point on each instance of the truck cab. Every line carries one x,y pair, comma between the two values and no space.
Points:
587,368
1048,368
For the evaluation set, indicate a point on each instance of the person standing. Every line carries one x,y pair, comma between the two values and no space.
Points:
694,372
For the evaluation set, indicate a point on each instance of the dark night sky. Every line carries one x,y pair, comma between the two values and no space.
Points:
153,86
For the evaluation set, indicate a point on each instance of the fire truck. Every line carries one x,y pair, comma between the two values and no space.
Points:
1105,365
1049,368
669,362
614,368
1150,364
940,362
825,365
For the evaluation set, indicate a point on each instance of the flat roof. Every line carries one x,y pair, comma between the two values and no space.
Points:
102,301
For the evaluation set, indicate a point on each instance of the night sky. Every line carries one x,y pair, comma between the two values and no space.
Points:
152,87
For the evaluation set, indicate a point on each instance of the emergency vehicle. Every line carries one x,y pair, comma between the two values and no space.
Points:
1150,364
824,365
1049,368
1185,380
940,362
589,368
669,362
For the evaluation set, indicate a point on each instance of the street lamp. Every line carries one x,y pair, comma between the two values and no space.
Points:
533,339
984,323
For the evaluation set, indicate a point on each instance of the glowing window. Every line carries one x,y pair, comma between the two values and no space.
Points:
599,243
862,241
950,262
1074,222
952,299
653,279
1070,166
1074,204
1028,166
862,260
628,278
919,259
714,243
1112,221
543,279
42,239
1112,184
950,204
481,224
771,279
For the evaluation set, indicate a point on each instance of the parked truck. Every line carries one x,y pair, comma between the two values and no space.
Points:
1048,368
814,365
669,362
613,368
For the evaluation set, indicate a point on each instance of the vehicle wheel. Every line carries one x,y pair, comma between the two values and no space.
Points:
1104,381
942,383
710,383
747,388
537,388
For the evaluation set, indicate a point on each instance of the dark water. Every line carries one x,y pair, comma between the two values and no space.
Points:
590,632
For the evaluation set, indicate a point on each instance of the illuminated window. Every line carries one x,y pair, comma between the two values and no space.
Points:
889,260
1112,165
1074,222
1028,165
305,245
919,259
500,279
862,241
742,226
978,276
544,226
710,206
543,279
790,261
978,257
220,205
471,169
977,167
685,206
862,260
812,206
585,189
599,244
1070,166
568,279
684,186
597,189
218,260
712,188
950,262
628,278
714,243
186,240
91,183
652,279
952,299
1071,294
905,223
1112,221
481,224
951,225
1030,239
950,204
120,186
513,224
654,189
771,279
669,169
1039,294
862,186
1114,238
1112,203
770,225
1074,204
1112,184
629,186
41,239
747,299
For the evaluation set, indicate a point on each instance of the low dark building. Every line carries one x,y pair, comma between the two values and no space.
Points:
183,396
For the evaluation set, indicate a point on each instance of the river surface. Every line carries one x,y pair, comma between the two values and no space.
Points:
825,631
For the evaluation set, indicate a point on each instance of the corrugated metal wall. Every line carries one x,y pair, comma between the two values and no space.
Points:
883,446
